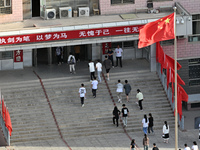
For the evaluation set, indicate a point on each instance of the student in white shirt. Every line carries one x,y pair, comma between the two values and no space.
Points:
119,91
186,147
82,93
139,96
99,70
195,146
166,132
71,62
145,124
91,69
118,52
94,87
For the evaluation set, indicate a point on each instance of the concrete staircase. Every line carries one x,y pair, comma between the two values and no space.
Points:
32,119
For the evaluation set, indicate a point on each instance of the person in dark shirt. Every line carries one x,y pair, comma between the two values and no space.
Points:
155,147
150,123
127,88
110,56
125,114
133,145
116,114
107,63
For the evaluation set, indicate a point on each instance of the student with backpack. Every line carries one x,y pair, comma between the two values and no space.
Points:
71,62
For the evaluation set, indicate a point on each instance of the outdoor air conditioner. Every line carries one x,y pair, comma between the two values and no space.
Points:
181,37
65,12
84,11
50,13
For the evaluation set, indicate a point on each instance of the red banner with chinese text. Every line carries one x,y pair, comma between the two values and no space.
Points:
67,35
18,56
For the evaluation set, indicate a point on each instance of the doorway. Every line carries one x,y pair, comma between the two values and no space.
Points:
35,8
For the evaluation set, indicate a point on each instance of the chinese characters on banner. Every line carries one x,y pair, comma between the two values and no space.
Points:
105,47
18,56
67,35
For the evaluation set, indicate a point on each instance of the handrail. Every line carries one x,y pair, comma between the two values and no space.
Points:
5,131
168,92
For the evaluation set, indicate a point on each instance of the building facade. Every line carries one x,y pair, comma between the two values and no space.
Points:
32,29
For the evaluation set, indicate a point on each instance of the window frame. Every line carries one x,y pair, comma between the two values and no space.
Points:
122,2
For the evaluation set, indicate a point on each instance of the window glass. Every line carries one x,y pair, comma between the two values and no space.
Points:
129,44
114,45
194,71
5,7
167,42
6,55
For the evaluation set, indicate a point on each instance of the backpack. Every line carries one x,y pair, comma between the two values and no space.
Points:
72,61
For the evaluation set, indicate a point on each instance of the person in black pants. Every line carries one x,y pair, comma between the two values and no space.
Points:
110,56
116,114
139,96
150,127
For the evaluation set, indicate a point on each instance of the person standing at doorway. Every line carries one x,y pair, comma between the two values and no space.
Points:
58,55
118,52
92,70
108,64
71,62
99,70
82,93
62,55
110,56
127,88
94,87
125,114
77,52
139,96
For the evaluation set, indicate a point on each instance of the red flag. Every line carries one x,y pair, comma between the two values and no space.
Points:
8,122
181,96
3,109
159,30
179,80
169,62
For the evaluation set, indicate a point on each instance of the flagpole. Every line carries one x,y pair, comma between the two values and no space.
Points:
175,64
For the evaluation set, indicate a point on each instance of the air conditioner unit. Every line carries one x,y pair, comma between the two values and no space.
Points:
50,13
65,12
84,11
181,37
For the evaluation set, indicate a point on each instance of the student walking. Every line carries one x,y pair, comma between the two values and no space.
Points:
125,114
166,132
99,70
155,147
145,142
71,62
186,147
150,127
145,124
108,65
91,69
82,93
127,88
195,146
139,96
94,87
133,145
116,114
119,91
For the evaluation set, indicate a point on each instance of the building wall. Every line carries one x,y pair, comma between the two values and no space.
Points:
185,49
17,13
192,6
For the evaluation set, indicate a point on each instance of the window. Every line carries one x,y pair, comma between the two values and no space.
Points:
161,0
5,7
122,1
196,24
6,55
194,71
129,44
